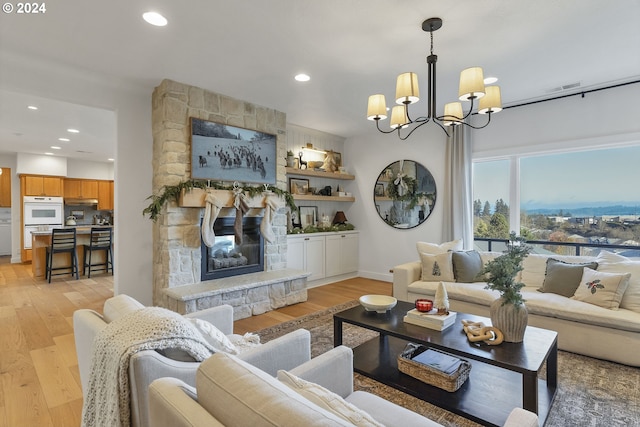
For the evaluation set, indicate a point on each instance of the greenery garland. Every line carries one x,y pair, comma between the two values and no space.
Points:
412,196
172,192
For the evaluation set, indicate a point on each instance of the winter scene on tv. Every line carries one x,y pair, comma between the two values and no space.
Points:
227,153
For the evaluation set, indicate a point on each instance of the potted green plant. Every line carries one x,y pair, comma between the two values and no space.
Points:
290,159
508,313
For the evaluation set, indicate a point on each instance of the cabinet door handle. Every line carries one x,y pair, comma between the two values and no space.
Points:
343,236
306,238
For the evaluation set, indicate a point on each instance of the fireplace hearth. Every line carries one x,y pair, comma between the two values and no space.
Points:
226,258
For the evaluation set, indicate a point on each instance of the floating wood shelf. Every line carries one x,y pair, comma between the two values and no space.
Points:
319,174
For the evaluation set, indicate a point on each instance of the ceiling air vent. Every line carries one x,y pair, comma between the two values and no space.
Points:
564,87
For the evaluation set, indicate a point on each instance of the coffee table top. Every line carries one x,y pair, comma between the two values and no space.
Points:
527,356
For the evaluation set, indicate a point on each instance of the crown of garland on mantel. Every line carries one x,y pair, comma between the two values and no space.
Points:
172,192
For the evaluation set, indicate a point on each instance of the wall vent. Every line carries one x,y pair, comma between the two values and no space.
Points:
564,87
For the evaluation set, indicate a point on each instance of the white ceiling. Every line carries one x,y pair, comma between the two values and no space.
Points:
251,49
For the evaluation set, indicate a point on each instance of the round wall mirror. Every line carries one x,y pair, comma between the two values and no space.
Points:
404,194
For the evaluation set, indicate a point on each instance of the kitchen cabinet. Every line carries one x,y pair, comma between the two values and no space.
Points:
341,254
80,189
324,255
38,185
306,252
105,195
5,188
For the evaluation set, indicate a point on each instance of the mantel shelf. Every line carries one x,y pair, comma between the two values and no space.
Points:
195,198
323,198
319,174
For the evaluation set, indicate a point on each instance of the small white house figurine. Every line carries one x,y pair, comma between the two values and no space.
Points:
442,300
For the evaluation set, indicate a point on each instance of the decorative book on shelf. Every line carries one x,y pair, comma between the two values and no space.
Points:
430,319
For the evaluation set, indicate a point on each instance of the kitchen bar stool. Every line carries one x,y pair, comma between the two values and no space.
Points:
100,240
63,240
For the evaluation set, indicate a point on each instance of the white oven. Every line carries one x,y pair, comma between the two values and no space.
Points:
41,213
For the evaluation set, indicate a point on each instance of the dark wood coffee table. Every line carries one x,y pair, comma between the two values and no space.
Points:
502,377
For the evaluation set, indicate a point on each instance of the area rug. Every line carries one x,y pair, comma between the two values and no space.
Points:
591,392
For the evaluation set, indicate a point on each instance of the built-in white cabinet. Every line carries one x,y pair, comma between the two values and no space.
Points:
324,255
306,252
341,254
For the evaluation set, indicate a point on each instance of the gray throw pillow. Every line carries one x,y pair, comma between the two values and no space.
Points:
564,278
467,266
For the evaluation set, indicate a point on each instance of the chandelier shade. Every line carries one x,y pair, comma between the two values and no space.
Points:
377,107
471,88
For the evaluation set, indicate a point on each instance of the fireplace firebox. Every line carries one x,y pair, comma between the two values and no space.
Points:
226,258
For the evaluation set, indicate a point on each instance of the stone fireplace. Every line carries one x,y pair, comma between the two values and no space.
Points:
178,283
230,258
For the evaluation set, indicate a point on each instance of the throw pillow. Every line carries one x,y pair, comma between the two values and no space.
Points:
563,278
214,336
328,400
467,266
602,289
434,249
436,268
614,263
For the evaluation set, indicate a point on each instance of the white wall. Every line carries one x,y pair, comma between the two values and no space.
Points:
35,164
132,105
382,246
89,170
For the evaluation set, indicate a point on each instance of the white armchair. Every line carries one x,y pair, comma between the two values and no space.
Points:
285,352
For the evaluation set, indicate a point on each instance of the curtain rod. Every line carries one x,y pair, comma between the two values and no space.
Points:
571,94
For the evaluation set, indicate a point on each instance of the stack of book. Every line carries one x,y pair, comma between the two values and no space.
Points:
430,319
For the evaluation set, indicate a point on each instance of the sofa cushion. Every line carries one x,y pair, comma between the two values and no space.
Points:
118,306
614,263
563,278
230,388
602,289
534,267
467,265
434,248
437,267
328,400
387,412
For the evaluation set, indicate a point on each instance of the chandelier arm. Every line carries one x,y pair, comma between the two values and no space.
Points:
417,126
383,131
480,127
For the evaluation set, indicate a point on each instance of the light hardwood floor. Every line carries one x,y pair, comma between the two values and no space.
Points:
39,379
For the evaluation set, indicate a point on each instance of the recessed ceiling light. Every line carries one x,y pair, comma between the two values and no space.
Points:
111,160
49,154
490,80
154,18
70,130
55,147
64,139
32,107
302,77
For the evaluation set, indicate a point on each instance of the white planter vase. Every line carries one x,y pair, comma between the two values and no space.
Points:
510,319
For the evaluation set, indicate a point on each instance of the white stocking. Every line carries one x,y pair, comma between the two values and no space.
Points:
211,211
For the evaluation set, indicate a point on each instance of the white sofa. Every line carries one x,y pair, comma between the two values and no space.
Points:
285,352
583,328
230,392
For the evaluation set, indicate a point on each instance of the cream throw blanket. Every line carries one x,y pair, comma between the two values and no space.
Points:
151,328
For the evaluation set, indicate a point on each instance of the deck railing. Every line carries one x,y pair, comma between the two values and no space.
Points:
561,248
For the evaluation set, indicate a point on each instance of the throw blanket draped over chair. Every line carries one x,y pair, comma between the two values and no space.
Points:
151,328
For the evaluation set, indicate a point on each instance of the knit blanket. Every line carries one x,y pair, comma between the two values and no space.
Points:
107,400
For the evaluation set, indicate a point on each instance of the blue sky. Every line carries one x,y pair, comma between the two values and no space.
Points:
577,179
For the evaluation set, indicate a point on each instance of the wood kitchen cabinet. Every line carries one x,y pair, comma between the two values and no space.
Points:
80,189
105,195
38,185
5,188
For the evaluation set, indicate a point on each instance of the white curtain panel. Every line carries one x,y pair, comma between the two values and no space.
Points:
458,194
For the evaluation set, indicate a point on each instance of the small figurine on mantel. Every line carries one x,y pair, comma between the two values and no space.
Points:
441,302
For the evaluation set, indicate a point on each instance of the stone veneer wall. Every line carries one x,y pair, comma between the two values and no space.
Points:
176,234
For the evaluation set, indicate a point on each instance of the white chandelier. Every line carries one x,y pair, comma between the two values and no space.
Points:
471,87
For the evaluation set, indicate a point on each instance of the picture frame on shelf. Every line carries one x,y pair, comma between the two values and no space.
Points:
298,186
379,190
308,215
228,153
338,157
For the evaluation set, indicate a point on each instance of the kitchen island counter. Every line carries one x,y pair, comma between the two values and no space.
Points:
42,239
